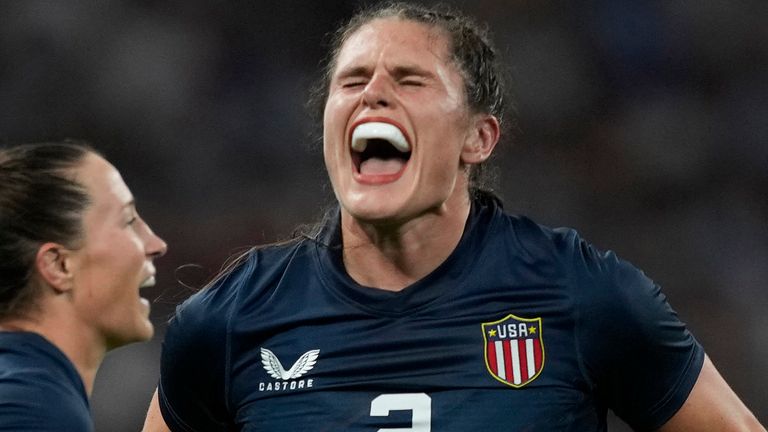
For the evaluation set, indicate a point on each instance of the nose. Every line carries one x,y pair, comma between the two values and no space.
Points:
155,246
377,93
161,249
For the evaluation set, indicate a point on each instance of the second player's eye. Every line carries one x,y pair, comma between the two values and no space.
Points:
412,82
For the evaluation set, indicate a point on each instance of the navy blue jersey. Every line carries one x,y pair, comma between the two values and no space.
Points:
522,328
40,390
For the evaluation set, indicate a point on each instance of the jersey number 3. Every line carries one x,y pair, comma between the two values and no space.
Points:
418,403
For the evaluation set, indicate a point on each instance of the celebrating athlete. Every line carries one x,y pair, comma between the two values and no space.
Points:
419,304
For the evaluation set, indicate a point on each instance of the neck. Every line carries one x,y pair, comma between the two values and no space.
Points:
394,256
62,331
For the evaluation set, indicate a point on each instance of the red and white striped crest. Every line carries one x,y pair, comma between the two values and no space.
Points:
514,349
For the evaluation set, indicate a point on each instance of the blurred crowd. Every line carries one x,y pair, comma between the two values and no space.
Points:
644,125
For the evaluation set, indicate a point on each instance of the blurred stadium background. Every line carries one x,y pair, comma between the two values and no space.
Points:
642,124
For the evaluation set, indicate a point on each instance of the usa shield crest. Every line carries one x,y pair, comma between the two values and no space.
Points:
514,349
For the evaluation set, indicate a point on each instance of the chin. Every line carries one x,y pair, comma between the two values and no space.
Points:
146,332
141,332
373,216
373,209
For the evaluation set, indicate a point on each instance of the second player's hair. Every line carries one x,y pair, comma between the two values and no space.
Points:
40,201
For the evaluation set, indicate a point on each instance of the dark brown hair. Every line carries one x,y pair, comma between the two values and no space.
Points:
39,202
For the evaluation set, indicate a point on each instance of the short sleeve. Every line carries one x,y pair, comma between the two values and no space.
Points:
192,392
640,357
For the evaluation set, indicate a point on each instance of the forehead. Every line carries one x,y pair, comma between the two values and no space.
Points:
103,182
395,39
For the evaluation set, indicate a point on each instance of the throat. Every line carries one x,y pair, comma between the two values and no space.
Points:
372,268
392,258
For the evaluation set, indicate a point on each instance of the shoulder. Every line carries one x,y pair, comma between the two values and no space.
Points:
29,361
196,354
39,389
533,241
603,284
202,323
598,278
580,257
244,277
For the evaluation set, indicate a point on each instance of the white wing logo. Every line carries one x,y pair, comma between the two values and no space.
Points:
304,364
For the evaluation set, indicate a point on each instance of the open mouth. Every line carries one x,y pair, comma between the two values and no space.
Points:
380,151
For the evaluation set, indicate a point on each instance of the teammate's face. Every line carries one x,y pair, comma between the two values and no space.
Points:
115,259
394,80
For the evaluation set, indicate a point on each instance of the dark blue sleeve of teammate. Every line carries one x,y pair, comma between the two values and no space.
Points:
192,393
641,359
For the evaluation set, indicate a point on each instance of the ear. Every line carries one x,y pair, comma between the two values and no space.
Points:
54,266
482,139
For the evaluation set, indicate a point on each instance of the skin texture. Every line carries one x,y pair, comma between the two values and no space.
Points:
400,72
398,228
90,300
397,70
116,258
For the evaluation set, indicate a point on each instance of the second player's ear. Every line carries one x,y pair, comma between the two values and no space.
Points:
54,266
482,139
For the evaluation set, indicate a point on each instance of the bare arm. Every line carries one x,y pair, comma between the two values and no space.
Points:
154,421
712,407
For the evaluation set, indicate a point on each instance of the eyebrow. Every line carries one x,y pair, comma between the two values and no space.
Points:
397,72
131,203
353,72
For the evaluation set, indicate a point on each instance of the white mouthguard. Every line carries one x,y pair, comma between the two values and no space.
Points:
365,131
148,282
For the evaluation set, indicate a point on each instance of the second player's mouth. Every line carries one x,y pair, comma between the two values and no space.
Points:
380,151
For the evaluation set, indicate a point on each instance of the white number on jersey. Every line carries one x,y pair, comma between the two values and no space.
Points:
418,403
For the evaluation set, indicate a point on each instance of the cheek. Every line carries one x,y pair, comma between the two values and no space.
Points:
121,270
126,257
329,164
339,108
333,106
334,128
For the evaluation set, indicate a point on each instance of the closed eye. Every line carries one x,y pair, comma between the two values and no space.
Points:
353,84
412,83
353,77
412,76
129,212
